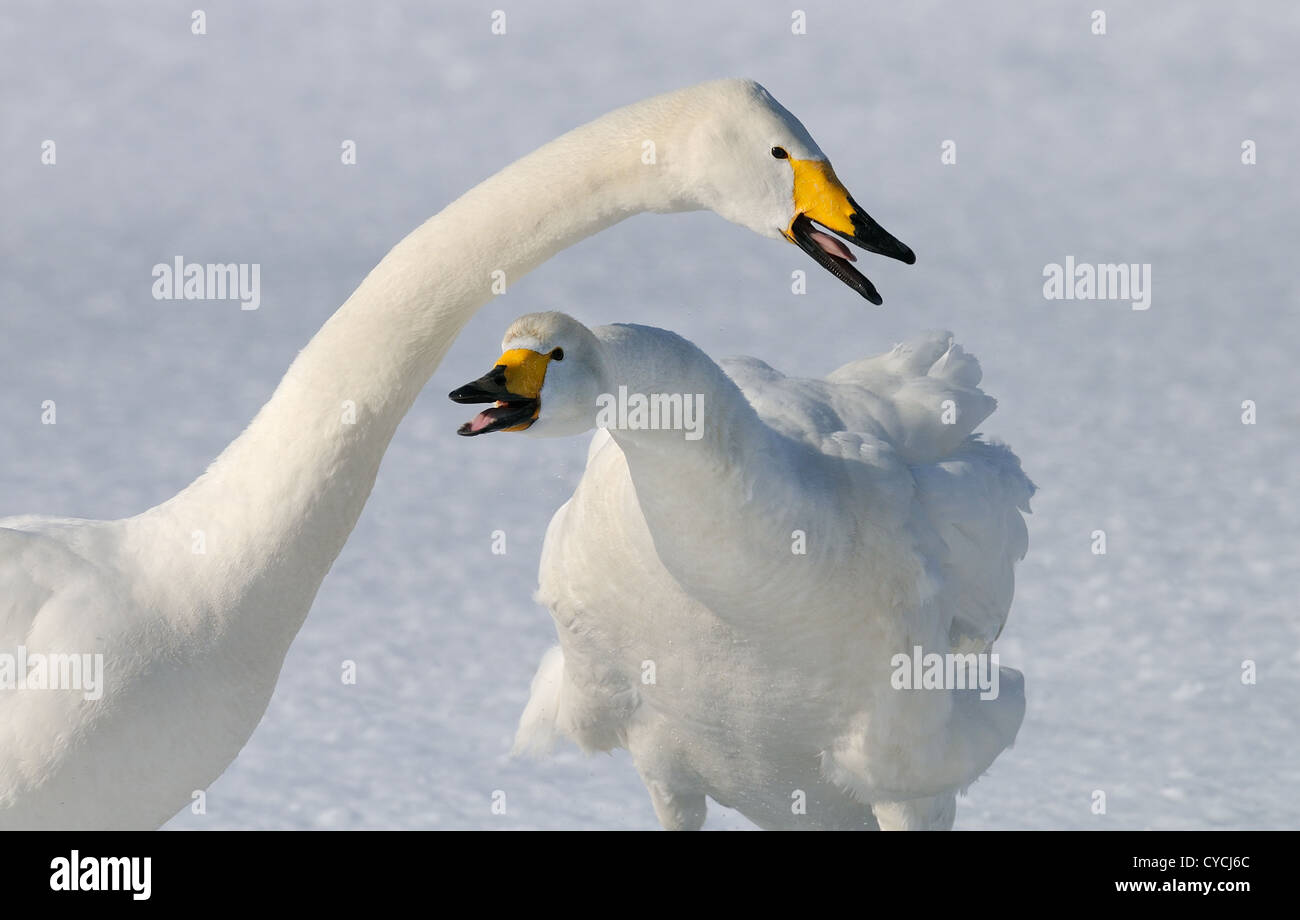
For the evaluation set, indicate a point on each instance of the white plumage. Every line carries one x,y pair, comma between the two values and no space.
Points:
692,631
193,603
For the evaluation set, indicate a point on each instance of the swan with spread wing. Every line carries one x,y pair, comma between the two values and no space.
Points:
732,594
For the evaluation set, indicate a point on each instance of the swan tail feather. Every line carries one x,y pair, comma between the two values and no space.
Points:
539,724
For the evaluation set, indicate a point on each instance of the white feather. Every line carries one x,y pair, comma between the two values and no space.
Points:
729,665
193,603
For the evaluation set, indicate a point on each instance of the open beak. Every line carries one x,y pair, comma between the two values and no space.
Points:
821,199
514,388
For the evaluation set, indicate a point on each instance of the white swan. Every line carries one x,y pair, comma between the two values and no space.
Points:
193,604
730,593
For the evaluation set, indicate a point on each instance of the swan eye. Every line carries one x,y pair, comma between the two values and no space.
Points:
557,354
779,153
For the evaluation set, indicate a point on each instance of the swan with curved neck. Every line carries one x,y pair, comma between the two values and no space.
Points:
764,548
193,604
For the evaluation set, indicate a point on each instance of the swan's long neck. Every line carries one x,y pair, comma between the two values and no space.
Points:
722,508
282,499
645,361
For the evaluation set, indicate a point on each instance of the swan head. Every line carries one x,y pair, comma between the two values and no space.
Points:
747,158
546,381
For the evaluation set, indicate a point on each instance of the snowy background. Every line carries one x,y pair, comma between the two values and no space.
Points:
1124,147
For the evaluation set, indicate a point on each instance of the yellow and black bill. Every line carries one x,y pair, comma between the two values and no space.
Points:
513,386
821,200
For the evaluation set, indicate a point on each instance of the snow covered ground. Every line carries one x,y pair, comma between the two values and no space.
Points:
1117,148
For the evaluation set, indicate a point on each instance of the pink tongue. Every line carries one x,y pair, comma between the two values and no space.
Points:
832,245
481,421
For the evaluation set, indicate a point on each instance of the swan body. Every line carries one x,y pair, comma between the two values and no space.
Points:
729,607
193,603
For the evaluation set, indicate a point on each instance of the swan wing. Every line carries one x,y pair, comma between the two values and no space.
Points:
974,502
922,396
36,570
51,601
919,403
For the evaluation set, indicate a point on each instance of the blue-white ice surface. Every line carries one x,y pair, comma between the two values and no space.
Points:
1117,148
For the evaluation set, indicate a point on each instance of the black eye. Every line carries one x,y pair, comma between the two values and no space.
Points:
779,153
557,354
